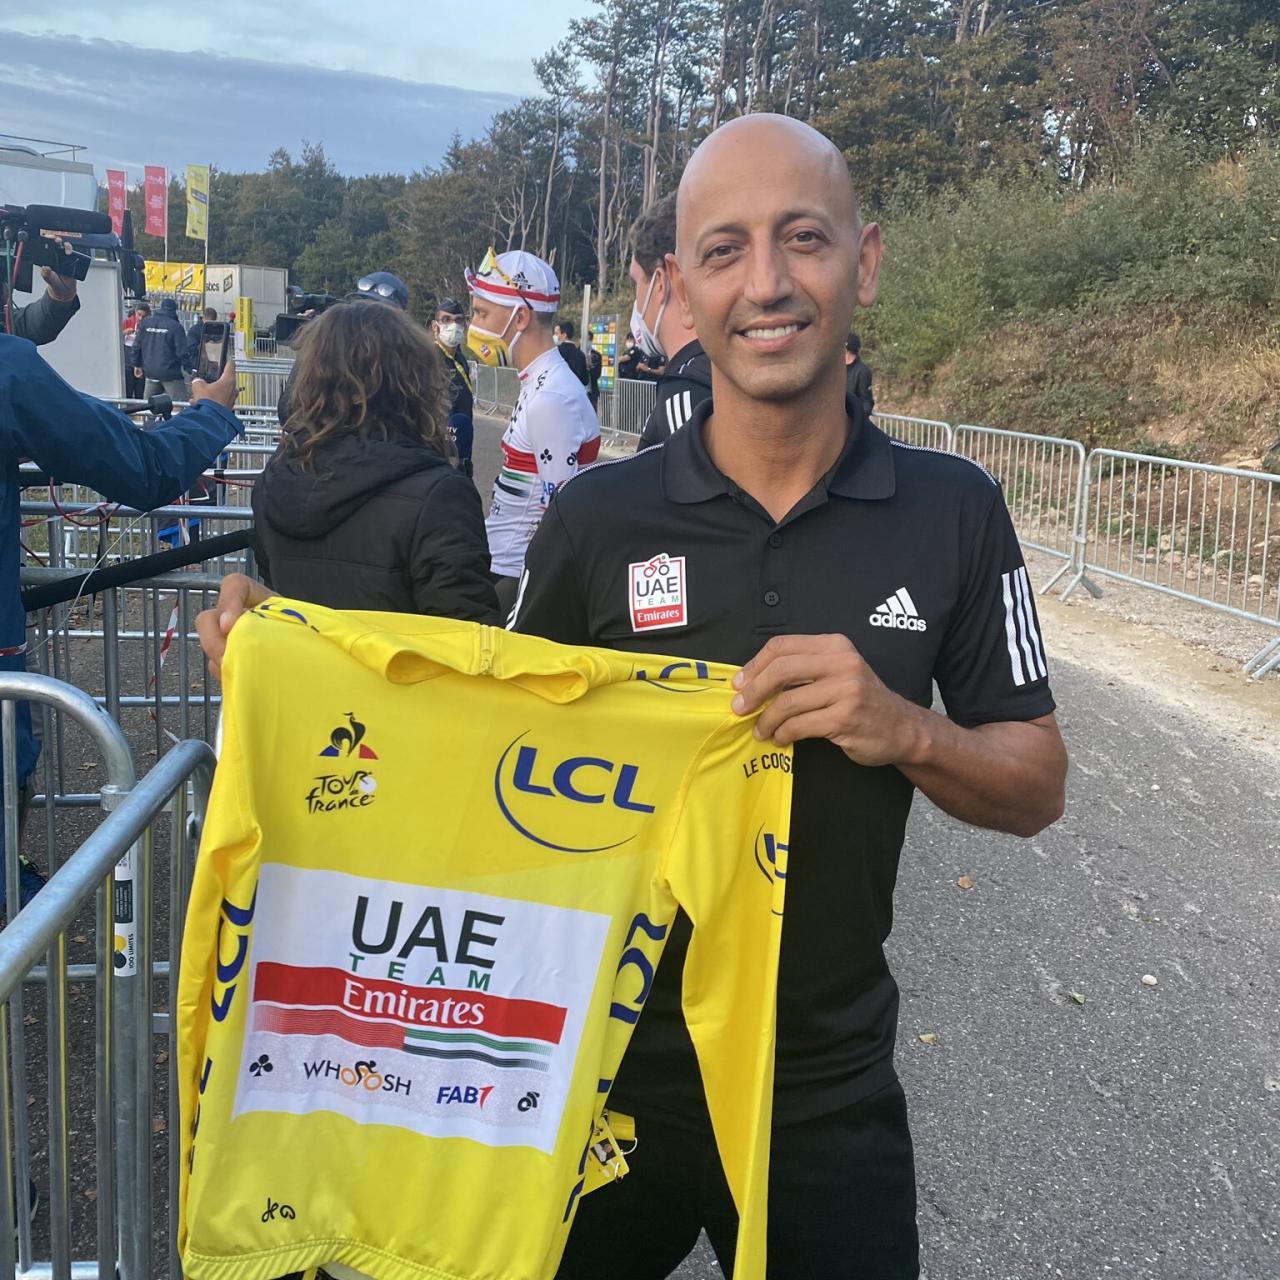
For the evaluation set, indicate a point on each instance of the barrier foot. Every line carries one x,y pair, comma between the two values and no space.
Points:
1048,586
1082,579
1266,659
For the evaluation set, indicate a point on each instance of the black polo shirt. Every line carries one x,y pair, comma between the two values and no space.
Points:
911,554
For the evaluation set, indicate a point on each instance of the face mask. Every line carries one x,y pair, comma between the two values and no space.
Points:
451,334
493,348
557,339
648,339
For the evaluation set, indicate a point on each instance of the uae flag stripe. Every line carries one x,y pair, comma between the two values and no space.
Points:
406,1007
527,1064
469,1037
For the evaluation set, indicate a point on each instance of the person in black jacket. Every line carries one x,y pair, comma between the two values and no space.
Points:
857,375
160,349
449,328
195,336
360,507
595,366
686,380
571,352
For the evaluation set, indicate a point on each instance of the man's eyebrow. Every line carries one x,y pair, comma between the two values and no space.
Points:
790,215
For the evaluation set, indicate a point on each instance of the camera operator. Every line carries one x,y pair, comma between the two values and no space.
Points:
44,319
76,439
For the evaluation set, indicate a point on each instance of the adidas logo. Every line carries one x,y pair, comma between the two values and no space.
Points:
899,613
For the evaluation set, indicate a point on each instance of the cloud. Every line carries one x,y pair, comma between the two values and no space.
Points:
130,106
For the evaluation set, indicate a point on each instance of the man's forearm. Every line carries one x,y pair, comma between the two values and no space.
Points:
44,319
1008,776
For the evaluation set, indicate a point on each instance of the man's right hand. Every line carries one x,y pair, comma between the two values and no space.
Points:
223,392
237,595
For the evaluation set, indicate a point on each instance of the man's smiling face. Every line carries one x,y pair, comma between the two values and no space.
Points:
772,258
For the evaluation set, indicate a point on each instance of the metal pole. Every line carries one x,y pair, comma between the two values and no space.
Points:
18,1063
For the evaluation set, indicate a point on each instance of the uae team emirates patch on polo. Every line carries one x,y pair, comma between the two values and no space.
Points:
658,593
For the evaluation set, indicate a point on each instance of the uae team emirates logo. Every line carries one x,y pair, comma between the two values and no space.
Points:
658,593
442,1011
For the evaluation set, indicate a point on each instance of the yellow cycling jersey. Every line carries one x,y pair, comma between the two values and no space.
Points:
438,869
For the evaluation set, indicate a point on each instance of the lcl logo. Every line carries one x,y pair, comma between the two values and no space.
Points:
680,677
537,784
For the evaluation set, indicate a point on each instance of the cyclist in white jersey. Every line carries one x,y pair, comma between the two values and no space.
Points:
553,429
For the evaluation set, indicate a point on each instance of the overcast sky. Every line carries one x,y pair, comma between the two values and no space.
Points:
383,84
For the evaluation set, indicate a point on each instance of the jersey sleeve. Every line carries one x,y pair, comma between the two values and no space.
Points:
992,662
550,601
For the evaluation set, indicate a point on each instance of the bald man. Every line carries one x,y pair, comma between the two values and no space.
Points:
846,573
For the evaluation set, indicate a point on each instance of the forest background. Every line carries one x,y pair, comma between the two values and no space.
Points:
1080,199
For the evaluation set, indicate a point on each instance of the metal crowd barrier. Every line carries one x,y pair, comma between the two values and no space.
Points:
134,647
110,876
506,384
262,380
1202,533
633,401
924,433
1042,478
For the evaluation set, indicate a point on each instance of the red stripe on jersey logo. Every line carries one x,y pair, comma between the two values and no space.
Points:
658,593
403,1006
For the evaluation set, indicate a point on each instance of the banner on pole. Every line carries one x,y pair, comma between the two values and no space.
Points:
198,201
157,200
115,199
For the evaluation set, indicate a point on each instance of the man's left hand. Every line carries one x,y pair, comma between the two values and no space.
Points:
821,688
61,288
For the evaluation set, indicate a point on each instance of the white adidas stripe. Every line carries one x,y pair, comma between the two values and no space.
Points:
1021,631
1011,633
1032,631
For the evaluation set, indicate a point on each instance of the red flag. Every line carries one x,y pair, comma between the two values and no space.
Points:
155,190
115,199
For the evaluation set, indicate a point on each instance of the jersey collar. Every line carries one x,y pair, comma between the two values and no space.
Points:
864,469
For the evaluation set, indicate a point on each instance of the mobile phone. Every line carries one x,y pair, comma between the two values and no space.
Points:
215,342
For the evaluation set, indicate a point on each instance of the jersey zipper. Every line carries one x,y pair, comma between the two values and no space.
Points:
486,649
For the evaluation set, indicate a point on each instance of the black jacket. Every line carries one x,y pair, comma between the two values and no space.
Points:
576,361
44,319
386,525
461,399
161,347
684,385
858,381
195,336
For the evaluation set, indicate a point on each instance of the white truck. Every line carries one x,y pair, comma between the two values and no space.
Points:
267,287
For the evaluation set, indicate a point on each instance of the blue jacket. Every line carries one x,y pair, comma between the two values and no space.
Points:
79,440
161,349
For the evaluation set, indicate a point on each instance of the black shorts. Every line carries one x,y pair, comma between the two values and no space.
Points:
842,1202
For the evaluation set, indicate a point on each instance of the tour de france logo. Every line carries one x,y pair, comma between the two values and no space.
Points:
349,784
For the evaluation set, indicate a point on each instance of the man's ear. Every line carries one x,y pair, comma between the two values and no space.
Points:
678,290
870,255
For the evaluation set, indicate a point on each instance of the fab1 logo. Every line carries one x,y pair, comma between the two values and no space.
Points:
572,804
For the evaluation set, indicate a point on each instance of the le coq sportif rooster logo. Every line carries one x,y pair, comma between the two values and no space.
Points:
347,740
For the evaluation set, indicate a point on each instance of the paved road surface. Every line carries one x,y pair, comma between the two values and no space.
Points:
1138,1133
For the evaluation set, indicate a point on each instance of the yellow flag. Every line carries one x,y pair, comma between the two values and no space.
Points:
198,201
